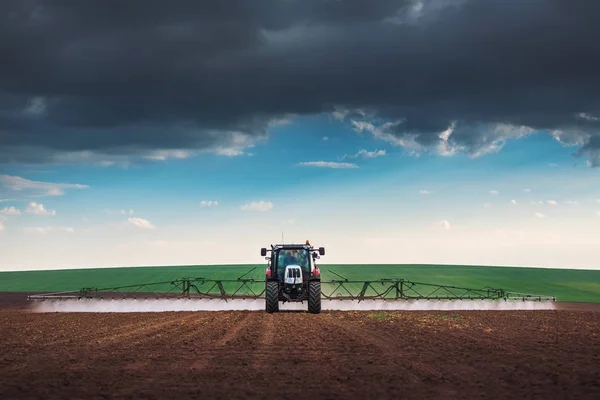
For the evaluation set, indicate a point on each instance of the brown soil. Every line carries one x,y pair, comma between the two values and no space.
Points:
474,354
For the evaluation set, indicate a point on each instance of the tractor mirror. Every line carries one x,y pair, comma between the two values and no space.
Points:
263,252
322,251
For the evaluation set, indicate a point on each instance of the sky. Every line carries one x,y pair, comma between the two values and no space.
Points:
398,131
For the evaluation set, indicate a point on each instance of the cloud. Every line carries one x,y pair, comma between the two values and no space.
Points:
325,138
327,164
527,190
48,229
339,114
119,212
424,191
1,226
539,215
141,223
513,202
18,183
368,154
494,192
588,117
162,155
10,211
209,203
444,224
573,202
257,206
552,202
77,79
38,209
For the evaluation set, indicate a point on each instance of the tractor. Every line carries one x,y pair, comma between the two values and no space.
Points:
293,276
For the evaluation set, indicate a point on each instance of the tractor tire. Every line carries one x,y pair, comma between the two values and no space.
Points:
314,297
272,297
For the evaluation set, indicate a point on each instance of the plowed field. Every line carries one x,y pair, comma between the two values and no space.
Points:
468,354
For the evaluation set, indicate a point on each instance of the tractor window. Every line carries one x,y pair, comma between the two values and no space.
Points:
293,257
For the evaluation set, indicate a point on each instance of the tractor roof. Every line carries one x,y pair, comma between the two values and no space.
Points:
292,246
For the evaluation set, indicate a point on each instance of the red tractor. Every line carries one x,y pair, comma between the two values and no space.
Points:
293,276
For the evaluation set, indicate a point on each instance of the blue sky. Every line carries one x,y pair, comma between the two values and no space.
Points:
530,203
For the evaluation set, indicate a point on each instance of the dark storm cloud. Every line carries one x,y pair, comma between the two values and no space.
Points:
120,77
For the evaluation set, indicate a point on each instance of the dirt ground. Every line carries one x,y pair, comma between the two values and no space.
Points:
245,354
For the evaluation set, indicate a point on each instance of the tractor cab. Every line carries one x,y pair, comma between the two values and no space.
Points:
288,260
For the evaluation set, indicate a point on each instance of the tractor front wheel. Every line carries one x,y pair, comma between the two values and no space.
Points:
272,296
314,297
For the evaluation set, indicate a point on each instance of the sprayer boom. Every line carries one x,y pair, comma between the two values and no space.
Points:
246,288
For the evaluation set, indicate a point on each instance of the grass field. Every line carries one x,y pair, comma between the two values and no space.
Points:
566,285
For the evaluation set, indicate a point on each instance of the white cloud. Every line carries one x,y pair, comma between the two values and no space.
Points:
497,136
325,138
539,215
382,132
424,191
445,148
340,113
18,183
368,154
257,206
237,144
327,164
494,192
533,203
574,202
527,190
141,223
10,211
229,151
444,224
493,141
552,202
162,155
48,229
38,209
513,202
209,203
588,117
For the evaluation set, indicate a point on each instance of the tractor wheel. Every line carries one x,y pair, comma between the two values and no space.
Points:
272,296
314,297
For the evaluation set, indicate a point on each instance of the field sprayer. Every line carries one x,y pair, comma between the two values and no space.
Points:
292,276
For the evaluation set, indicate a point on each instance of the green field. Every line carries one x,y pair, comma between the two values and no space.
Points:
566,285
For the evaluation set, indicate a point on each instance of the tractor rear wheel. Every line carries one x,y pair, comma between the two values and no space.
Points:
314,297
272,296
